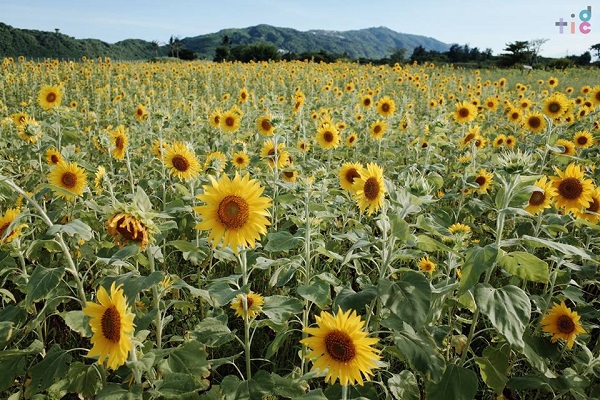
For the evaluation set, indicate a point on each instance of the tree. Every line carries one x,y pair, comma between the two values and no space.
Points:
517,53
397,56
155,46
534,46
596,48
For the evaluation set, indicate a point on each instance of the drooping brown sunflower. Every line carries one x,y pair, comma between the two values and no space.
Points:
50,97
369,188
541,199
181,161
69,177
348,174
562,323
118,138
127,228
573,191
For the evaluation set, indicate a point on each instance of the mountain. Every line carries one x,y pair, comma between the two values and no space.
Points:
372,43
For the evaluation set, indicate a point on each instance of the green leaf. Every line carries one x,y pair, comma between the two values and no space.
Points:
430,245
53,367
178,385
408,298
317,292
404,386
6,261
42,283
477,261
490,374
313,395
507,308
75,227
189,358
133,284
531,352
348,299
564,248
115,392
213,332
398,227
6,332
525,266
280,308
457,383
49,245
222,293
192,253
280,241
77,321
85,379
420,351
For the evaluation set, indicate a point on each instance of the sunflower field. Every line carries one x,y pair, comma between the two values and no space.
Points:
298,230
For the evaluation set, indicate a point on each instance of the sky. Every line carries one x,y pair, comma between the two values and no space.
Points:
482,23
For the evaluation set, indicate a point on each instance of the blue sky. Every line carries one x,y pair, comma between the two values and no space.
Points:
482,23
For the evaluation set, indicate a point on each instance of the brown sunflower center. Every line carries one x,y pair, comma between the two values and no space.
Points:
249,302
180,163
377,129
3,229
582,140
593,208
339,346
288,174
51,97
537,198
515,116
480,180
233,212
54,159
230,121
463,112
69,180
597,95
217,119
239,160
371,188
140,112
534,122
265,124
119,142
500,141
554,107
328,136
469,137
351,139
131,229
352,174
565,324
385,107
367,102
508,142
22,119
111,324
570,188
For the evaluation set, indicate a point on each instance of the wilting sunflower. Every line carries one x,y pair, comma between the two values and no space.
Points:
568,147
240,159
583,139
254,304
127,228
264,126
555,106
340,346
118,138
541,199
50,97
592,212
348,174
594,95
483,180
573,191
69,177
534,122
5,220
369,188
269,153
328,136
378,129
112,325
181,161
230,121
235,212
464,112
351,139
562,323
385,107
30,131
53,157
426,265
140,113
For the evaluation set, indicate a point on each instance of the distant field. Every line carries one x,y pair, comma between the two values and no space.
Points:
451,214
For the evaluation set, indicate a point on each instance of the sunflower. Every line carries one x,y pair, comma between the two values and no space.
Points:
240,159
328,136
118,138
491,103
19,119
159,148
534,122
555,106
235,212
386,107
595,95
50,97
426,265
230,121
459,229
499,140
112,325
140,113
181,161
303,146
583,139
378,129
5,221
340,346
254,303
366,101
552,82
282,156
515,115
53,157
483,180
70,178
127,228
264,126
99,177
351,139
215,162
369,188
592,212
511,141
568,147
243,96
541,199
562,323
573,191
464,112
472,134
30,131
214,119
289,175
348,174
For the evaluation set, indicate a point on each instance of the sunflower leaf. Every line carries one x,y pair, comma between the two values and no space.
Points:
280,241
403,386
53,367
420,351
75,227
42,283
408,298
477,261
457,383
85,379
525,266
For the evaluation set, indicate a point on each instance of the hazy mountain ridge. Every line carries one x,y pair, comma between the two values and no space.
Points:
371,43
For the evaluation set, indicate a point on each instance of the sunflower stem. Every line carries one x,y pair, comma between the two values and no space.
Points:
243,262
307,275
345,392
156,300
130,172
